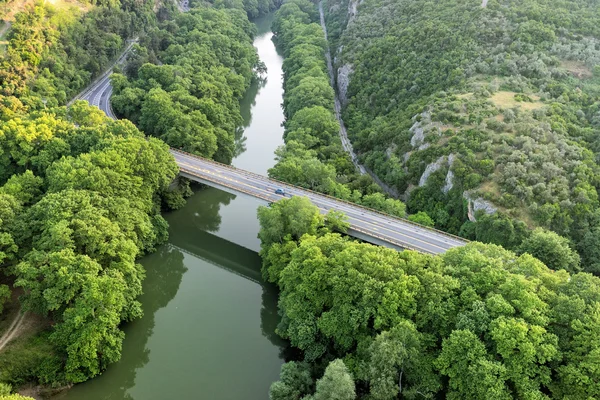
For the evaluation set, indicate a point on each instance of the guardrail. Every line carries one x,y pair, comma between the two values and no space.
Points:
288,185
265,198
106,73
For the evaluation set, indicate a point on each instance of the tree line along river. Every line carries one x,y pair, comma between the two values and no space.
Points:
208,330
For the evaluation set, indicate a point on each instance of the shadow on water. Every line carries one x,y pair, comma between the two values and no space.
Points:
194,251
201,213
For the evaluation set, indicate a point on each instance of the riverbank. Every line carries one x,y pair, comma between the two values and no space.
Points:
209,320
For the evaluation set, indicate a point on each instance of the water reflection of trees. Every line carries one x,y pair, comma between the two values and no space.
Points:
246,104
201,212
270,318
164,273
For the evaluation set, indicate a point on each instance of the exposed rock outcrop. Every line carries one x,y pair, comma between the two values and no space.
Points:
430,169
450,175
478,204
343,80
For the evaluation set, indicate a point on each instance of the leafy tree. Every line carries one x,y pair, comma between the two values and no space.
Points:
336,384
292,217
4,296
552,249
191,100
295,382
475,321
422,218
393,354
71,235
15,397
472,374
5,389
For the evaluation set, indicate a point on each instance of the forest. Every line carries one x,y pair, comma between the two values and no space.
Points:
55,53
190,99
81,198
478,322
485,118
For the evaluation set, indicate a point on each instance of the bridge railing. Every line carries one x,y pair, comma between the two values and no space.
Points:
285,184
268,199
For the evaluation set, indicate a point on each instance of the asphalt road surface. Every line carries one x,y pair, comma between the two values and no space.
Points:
99,96
392,230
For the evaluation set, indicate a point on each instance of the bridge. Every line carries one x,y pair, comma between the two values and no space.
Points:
365,224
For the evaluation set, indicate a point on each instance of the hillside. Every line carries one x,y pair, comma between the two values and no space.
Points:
487,118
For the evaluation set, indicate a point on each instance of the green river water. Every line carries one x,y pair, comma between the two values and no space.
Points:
209,320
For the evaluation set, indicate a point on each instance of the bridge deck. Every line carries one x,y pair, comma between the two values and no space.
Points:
364,223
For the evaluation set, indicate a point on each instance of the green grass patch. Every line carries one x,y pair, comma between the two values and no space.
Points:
31,359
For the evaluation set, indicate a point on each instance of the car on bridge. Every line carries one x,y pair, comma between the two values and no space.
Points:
280,191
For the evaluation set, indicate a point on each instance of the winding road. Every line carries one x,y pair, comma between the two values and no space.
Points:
346,144
98,92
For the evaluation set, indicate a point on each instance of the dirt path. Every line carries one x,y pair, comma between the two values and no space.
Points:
4,29
12,330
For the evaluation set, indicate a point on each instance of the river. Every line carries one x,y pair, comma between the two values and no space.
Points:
208,327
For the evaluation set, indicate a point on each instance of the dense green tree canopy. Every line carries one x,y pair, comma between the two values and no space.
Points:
475,322
79,203
191,98
494,107
313,156
53,53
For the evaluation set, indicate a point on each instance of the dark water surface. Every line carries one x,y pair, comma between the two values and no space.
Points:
209,320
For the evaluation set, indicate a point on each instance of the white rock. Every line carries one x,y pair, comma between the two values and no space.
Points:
450,176
418,134
430,169
478,204
343,80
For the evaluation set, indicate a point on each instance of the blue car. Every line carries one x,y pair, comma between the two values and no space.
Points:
280,191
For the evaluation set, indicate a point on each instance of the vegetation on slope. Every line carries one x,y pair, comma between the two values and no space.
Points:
253,8
81,200
313,156
191,98
54,53
478,322
453,103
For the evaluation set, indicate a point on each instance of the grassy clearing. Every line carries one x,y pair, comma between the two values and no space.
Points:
490,187
30,356
11,8
504,100
577,69
29,353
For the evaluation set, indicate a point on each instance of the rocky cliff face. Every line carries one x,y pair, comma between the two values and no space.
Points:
344,70
343,80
